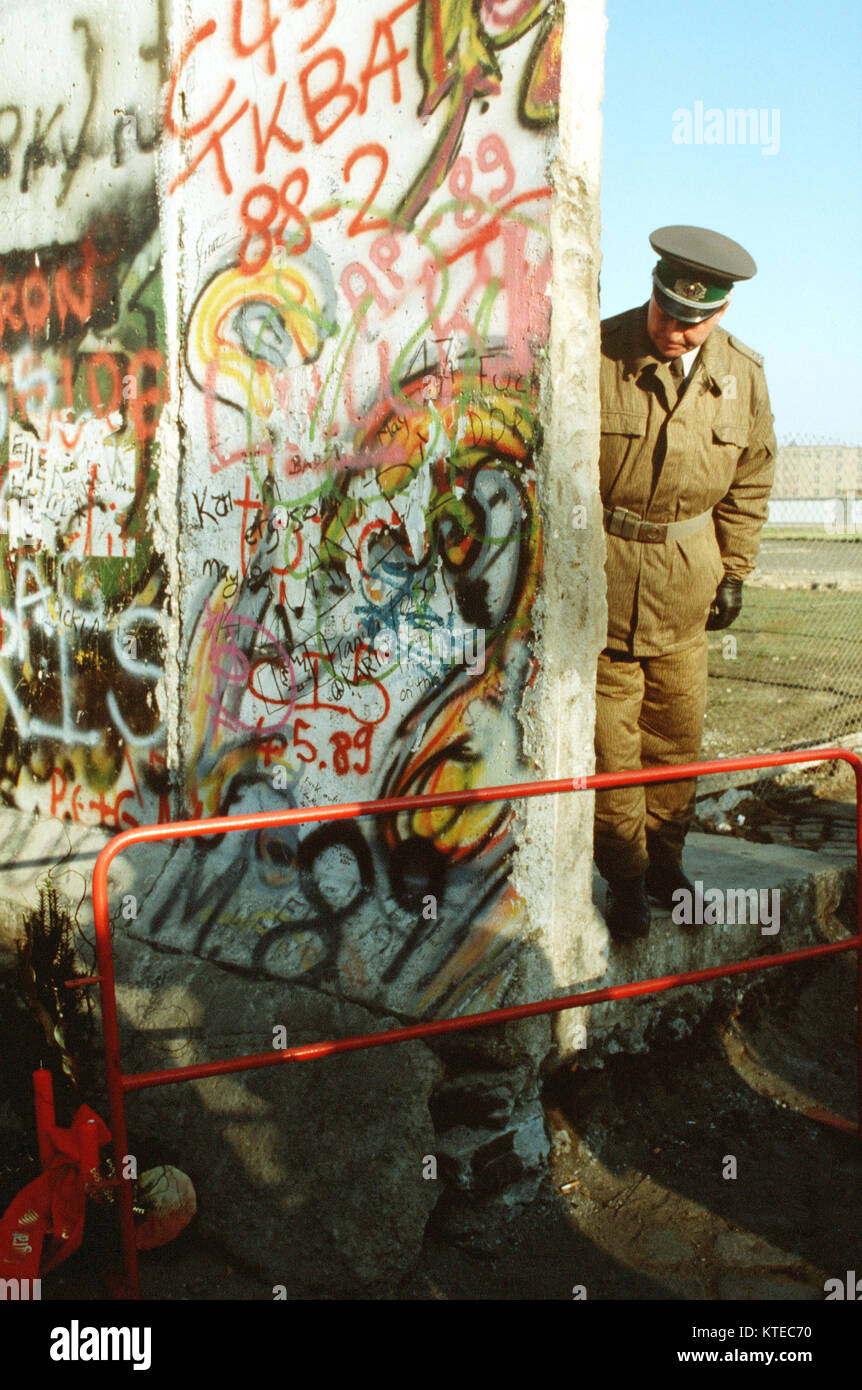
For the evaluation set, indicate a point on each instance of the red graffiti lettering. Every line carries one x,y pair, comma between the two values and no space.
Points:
273,132
268,28
384,252
262,227
109,811
292,211
186,132
318,33
372,224
35,302
108,361
360,301
246,505
214,144
259,227
492,154
58,789
145,406
327,98
79,303
338,89
28,298
470,210
396,56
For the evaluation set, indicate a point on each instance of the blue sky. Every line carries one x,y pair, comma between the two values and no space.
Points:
797,210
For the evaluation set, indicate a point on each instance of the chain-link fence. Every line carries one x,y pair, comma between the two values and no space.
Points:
788,674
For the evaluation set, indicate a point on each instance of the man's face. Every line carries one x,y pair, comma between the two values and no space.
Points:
671,337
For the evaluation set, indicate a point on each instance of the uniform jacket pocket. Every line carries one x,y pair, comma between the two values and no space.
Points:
623,434
624,422
730,433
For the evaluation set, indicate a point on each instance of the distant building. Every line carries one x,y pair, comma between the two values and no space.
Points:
817,470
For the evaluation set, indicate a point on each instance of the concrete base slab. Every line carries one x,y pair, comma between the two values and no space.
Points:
801,900
813,891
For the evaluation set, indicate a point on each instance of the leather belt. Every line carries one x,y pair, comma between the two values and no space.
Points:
630,527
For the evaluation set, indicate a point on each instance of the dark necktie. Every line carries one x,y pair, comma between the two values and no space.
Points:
677,371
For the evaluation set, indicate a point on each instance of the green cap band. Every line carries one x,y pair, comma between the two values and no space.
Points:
686,298
690,286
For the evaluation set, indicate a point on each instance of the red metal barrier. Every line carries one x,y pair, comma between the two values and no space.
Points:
118,1083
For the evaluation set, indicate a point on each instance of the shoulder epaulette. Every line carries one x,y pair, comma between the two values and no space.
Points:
620,322
745,350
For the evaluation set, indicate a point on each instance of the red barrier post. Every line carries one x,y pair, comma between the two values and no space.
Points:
118,1083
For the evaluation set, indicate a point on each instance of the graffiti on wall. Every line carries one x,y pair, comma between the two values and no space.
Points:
355,204
364,206
83,379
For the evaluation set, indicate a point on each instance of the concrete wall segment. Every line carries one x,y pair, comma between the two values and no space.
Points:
84,375
79,115
314,250
554,858
398,380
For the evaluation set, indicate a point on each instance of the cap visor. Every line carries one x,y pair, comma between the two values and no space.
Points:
683,313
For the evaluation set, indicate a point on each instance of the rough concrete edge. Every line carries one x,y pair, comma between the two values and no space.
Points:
170,434
553,863
820,891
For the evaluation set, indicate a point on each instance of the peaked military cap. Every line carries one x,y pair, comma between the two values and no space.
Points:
696,271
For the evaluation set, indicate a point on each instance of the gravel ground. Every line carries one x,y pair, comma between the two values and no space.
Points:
806,560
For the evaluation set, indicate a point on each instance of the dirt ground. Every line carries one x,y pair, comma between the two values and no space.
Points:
641,1202
802,556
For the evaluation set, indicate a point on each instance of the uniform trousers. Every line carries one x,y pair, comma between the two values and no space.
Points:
649,710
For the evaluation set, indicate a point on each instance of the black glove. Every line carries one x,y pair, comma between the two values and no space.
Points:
727,604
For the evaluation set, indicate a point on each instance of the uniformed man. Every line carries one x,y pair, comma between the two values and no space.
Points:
686,467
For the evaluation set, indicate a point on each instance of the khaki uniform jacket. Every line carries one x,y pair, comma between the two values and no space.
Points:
713,451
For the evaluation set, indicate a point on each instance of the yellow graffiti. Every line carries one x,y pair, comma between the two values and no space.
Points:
243,327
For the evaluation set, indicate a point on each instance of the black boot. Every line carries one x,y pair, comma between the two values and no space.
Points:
626,908
663,878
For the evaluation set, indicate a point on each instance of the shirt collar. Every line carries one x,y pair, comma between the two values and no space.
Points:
641,353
